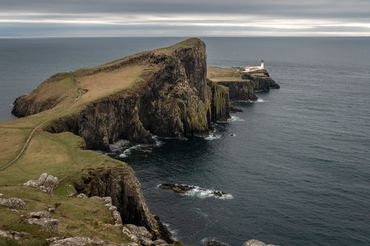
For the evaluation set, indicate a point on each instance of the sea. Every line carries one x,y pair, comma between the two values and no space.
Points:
295,164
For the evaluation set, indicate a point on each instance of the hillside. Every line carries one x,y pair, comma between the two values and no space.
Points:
92,108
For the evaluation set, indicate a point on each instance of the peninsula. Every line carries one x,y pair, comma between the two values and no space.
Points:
55,190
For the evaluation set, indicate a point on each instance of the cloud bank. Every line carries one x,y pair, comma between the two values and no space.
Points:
67,18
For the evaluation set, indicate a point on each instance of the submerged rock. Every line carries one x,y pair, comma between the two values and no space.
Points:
215,243
47,223
254,242
178,188
195,190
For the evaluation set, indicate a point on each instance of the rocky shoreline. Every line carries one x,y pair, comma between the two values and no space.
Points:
174,99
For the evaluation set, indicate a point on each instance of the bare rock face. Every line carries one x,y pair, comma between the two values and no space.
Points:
46,183
119,187
13,234
240,90
13,203
83,241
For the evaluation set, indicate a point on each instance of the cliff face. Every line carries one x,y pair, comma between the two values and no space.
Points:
174,99
261,80
242,85
240,90
123,187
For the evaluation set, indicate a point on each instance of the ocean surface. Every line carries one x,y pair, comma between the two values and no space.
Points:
296,163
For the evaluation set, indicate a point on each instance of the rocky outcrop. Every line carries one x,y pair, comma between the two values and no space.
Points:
124,189
243,85
83,241
15,235
195,190
262,82
43,218
141,235
47,183
12,203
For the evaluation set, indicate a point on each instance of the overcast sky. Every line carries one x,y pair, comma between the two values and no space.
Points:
74,18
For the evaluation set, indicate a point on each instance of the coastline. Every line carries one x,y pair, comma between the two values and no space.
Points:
214,98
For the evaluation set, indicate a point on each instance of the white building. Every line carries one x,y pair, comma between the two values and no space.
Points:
255,68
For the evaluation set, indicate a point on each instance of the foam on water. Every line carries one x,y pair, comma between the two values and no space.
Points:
235,119
212,136
260,100
207,193
128,151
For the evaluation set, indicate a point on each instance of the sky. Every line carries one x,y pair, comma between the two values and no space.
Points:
111,18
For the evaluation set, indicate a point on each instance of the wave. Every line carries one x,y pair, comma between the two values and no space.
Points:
196,191
235,119
212,136
206,240
128,151
206,193
260,100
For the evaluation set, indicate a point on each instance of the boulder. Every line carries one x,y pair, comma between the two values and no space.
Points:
13,202
117,217
47,183
138,234
13,234
40,214
43,218
47,223
81,195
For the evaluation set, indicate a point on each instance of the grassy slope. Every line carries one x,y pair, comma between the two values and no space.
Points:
61,154
217,74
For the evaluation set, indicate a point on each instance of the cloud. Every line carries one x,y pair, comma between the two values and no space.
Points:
179,18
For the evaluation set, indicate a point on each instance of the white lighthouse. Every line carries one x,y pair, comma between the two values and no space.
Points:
250,69
262,64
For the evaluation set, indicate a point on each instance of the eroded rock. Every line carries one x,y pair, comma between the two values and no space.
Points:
47,183
138,234
13,234
83,241
13,202
43,218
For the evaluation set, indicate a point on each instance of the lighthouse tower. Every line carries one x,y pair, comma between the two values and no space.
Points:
262,64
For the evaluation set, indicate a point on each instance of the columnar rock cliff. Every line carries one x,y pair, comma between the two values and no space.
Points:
242,85
123,187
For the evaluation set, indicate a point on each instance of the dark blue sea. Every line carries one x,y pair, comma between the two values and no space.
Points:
297,162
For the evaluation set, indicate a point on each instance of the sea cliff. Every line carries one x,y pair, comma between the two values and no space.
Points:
173,99
168,92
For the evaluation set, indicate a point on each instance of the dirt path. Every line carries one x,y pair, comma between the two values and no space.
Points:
25,145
